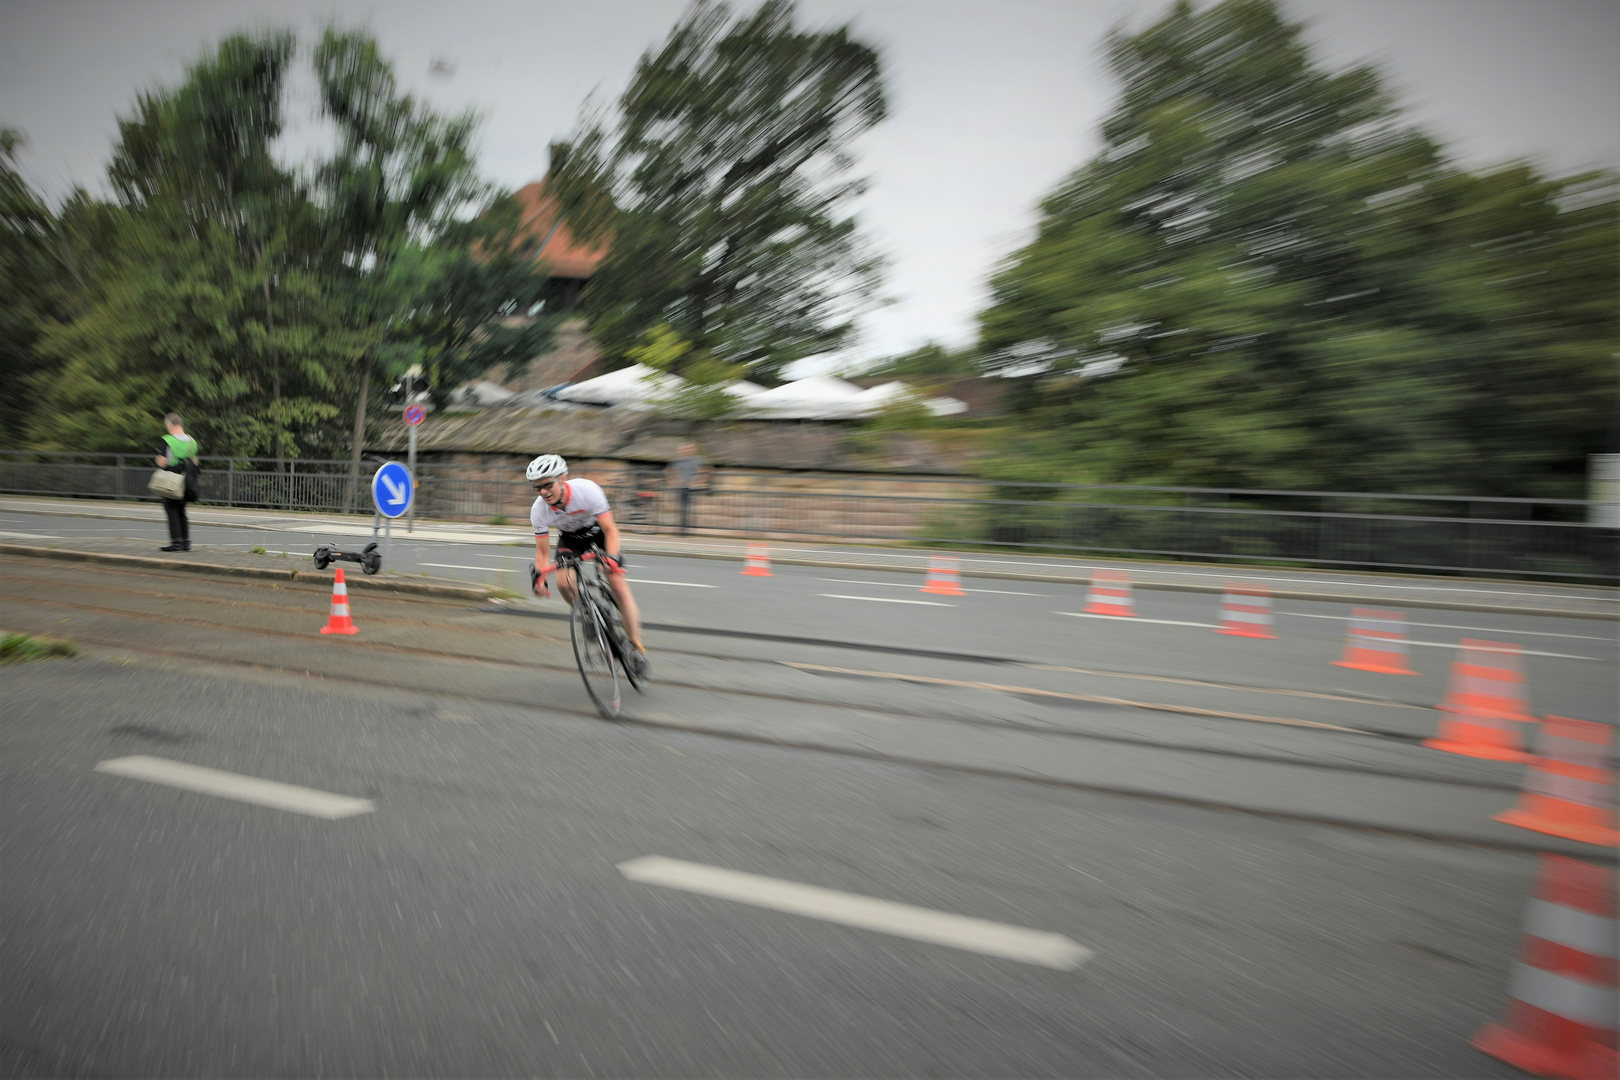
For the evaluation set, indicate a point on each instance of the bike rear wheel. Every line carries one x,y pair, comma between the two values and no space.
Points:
598,660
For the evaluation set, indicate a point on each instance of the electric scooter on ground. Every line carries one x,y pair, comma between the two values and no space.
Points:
370,559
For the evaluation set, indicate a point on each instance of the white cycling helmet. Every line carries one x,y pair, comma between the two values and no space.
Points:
545,467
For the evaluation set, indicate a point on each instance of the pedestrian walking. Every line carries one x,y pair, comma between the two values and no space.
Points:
178,454
687,473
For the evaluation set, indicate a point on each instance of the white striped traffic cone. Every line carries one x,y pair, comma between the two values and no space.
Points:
1561,1001
1376,641
758,563
1110,593
1569,790
1488,680
1246,612
339,622
942,577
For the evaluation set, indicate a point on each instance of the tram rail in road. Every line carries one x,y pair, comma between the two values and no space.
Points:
1329,757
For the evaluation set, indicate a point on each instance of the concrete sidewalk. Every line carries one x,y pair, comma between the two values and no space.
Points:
227,562
1557,600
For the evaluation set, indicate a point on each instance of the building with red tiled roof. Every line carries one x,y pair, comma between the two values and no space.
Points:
571,263
573,356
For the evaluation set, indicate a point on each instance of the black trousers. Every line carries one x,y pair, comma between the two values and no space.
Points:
685,494
179,527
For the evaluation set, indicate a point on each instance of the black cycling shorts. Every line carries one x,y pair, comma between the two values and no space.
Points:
584,540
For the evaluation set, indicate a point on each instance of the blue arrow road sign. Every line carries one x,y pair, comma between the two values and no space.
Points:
391,489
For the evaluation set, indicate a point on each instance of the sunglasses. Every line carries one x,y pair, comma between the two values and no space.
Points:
547,486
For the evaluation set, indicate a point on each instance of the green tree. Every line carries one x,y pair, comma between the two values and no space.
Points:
1265,280
202,255
721,184
482,306
930,361
27,236
701,393
399,176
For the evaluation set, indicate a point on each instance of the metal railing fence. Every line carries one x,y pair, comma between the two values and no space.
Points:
1546,538
246,482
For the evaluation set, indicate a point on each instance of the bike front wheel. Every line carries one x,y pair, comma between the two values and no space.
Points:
594,652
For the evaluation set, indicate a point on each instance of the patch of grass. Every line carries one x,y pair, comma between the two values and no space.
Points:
20,648
257,549
498,519
499,593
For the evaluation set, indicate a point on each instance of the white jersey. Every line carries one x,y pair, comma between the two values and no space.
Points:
585,503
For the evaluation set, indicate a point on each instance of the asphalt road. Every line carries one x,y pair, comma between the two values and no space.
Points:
1225,850
475,923
494,554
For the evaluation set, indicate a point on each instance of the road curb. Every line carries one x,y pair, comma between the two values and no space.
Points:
146,562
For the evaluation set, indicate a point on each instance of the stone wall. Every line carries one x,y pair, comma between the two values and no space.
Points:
823,446
770,477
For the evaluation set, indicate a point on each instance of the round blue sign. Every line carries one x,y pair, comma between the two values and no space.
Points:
391,489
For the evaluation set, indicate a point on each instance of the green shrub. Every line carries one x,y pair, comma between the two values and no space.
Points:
20,648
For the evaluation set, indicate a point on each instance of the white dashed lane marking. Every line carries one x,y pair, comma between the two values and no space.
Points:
682,584
228,785
1133,619
1212,626
1455,626
908,585
866,912
885,600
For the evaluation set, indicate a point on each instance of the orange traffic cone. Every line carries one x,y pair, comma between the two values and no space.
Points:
1561,1001
1488,680
339,621
1570,789
1485,698
1246,612
758,563
1110,593
1376,641
942,577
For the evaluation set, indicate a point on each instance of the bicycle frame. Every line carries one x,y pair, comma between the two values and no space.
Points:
599,643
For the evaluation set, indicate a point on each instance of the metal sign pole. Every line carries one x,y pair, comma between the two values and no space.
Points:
410,521
388,534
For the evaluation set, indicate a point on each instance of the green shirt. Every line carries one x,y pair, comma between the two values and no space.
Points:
179,447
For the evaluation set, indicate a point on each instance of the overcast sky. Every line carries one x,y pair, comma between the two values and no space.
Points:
992,101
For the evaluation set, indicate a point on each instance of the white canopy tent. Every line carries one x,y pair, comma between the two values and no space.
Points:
882,394
482,394
634,385
885,394
820,397
744,389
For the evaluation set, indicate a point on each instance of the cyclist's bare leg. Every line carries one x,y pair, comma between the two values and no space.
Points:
565,584
627,608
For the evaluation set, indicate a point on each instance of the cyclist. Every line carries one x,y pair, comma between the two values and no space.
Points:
584,521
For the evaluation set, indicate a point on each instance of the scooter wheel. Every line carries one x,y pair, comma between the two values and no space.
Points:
371,562
323,557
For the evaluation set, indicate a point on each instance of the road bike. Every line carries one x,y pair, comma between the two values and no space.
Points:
601,647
